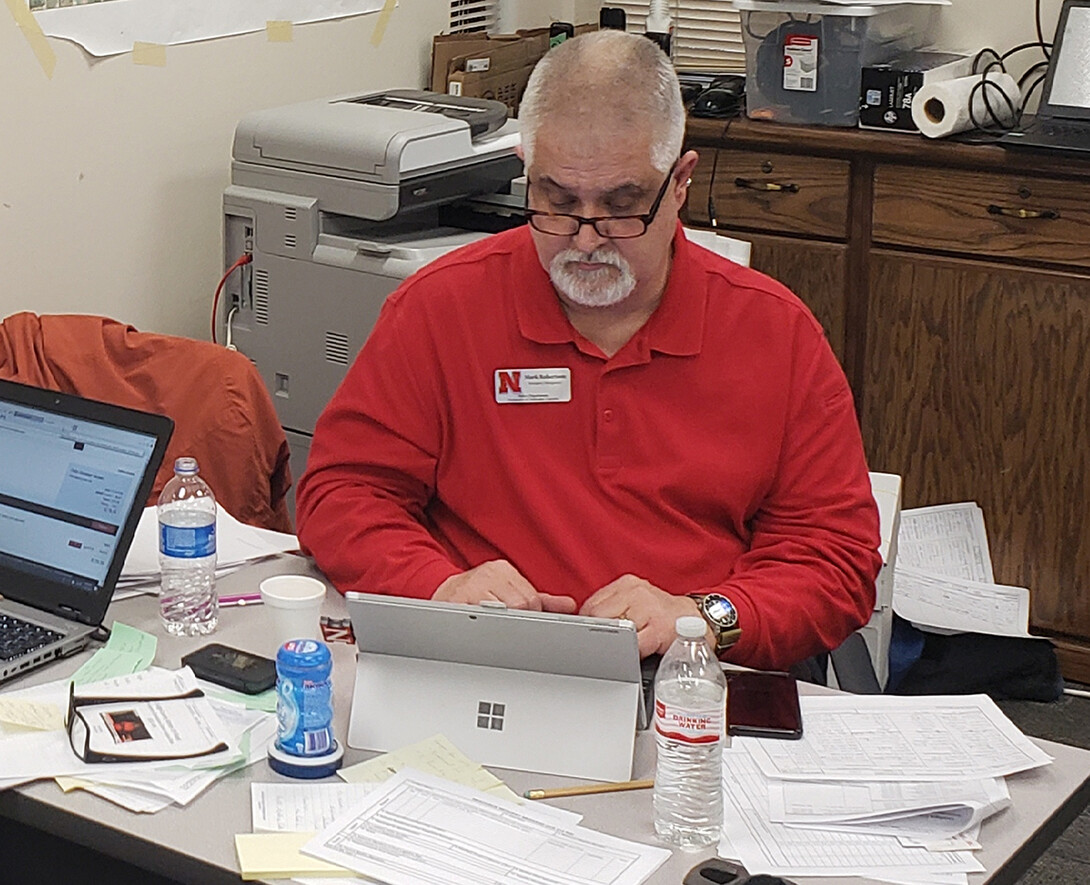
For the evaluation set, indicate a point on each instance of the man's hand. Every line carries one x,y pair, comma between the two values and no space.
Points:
500,581
652,610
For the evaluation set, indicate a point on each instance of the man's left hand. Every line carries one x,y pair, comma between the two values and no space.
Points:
651,609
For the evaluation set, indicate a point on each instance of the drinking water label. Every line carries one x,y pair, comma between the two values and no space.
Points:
689,726
187,542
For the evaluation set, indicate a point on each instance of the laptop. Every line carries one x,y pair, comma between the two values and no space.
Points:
74,476
534,691
1063,117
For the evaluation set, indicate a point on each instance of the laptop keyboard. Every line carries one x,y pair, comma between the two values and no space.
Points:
18,637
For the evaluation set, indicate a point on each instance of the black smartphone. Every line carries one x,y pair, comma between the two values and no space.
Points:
232,668
761,704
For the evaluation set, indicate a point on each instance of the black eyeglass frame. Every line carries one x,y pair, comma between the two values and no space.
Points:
93,756
647,217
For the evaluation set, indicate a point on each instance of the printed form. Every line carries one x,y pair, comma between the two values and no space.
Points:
891,738
761,844
947,539
417,829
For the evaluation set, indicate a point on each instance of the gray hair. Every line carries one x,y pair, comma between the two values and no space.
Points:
609,73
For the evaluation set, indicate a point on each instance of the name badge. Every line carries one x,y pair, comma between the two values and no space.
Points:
533,385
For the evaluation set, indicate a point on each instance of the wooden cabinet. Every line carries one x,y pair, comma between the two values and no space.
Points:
954,283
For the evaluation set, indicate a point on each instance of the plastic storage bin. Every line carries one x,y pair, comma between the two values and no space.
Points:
803,60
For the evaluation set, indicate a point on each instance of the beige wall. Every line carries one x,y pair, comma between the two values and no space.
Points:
111,174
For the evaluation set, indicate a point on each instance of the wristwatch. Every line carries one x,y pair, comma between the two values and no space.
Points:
721,616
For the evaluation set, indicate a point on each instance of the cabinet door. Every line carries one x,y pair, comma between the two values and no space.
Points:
812,270
977,387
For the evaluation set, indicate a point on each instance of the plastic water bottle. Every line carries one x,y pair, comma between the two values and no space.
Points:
690,713
188,604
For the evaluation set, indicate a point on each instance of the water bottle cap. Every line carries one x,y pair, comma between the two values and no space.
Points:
185,465
690,627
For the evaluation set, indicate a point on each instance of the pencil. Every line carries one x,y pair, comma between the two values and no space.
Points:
589,789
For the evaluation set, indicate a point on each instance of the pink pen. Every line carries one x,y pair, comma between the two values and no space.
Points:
240,599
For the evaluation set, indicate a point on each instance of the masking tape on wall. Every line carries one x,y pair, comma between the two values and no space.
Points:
153,54
24,18
383,20
278,31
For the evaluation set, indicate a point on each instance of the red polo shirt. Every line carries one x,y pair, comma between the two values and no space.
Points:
718,449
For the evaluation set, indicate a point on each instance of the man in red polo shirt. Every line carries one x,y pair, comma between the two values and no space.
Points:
591,414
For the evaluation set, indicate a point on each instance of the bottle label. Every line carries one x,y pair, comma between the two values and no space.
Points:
187,542
689,726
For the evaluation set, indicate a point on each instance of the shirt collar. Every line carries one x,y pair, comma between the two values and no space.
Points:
676,327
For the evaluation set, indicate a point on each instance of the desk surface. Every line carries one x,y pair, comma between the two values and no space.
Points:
196,844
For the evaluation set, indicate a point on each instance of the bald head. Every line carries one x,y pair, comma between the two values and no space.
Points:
607,79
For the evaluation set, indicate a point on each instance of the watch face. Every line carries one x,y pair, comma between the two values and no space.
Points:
720,610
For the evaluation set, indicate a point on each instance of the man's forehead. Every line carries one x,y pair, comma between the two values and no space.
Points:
587,164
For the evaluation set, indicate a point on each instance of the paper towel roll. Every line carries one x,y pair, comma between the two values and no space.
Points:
942,108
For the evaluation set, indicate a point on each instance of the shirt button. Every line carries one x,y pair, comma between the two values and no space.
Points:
608,414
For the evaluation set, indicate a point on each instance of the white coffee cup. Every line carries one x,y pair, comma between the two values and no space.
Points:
294,604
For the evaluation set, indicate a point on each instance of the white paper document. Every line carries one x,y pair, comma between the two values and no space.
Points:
110,28
416,829
923,810
891,738
947,539
929,600
26,756
236,543
307,807
761,844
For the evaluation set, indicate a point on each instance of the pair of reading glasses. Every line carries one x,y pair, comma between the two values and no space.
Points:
614,227
79,732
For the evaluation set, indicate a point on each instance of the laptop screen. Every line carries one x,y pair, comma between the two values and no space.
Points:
1067,89
74,476
66,485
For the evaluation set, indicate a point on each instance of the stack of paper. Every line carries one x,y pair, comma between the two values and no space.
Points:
34,743
892,788
236,544
943,578
456,824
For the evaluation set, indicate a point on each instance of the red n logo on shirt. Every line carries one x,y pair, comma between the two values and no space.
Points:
509,382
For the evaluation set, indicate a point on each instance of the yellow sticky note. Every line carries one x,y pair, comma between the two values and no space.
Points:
68,784
31,714
278,31
277,856
32,31
153,54
383,21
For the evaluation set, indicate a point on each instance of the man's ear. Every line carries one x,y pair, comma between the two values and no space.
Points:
520,153
685,167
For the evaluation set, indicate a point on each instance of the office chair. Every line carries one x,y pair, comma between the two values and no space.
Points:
222,411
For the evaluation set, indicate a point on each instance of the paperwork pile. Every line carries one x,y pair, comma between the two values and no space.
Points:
891,788
34,743
943,578
236,543
455,823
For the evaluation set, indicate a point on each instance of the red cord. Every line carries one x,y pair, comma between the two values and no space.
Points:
244,260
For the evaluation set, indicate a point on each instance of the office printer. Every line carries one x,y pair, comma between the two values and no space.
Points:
338,201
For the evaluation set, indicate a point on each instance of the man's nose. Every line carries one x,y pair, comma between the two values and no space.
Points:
587,238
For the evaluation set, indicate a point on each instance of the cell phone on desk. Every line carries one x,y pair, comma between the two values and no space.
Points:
762,704
232,668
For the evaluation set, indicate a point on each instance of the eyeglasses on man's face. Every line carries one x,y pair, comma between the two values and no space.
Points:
614,227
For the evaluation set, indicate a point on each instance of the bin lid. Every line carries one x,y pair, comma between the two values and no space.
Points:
818,7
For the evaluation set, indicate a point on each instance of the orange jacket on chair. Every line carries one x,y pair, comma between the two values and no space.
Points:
223,414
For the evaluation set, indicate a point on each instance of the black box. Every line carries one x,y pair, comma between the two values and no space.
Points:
886,90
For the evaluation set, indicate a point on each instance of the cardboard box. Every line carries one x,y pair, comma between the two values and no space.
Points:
495,67
886,90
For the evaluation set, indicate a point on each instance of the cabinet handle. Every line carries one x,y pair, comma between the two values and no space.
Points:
1008,212
752,185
